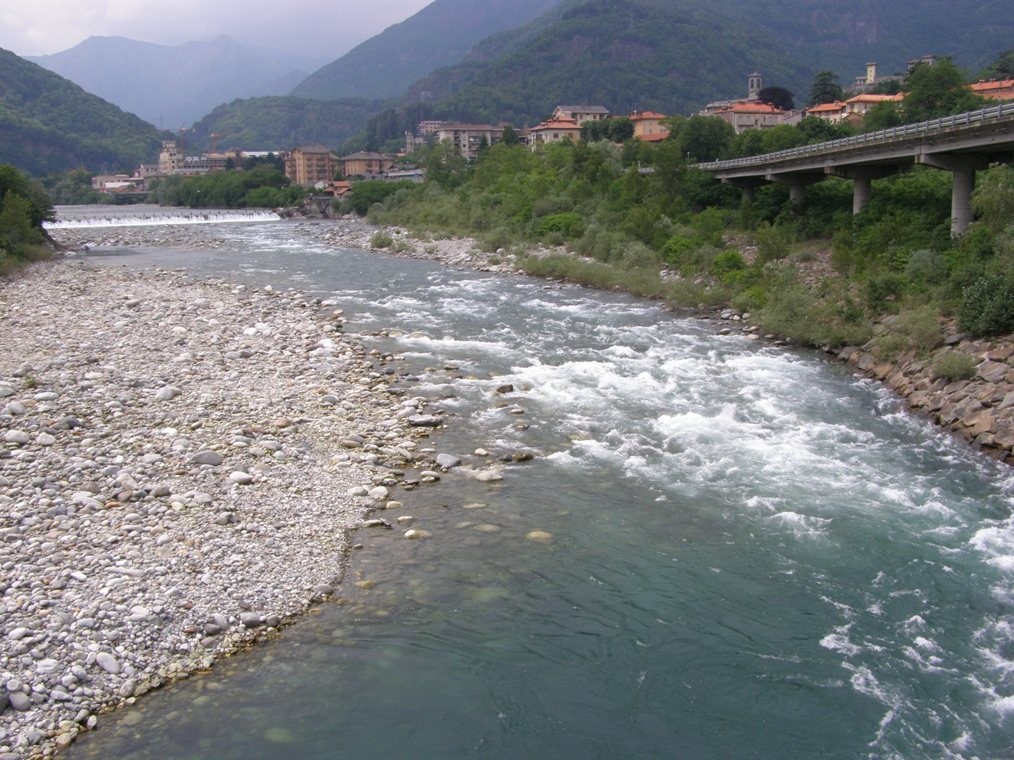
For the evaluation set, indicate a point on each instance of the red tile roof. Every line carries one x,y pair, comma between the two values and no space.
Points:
752,106
640,115
838,105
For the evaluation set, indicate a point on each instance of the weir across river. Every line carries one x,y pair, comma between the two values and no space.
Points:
961,144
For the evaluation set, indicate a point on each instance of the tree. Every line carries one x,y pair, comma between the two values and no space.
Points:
40,208
882,115
706,138
510,136
777,97
1001,68
825,88
935,90
444,165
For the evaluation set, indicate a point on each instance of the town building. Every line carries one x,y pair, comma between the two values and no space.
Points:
745,114
554,130
1000,89
833,113
310,164
857,106
580,114
871,79
365,164
169,159
467,139
648,126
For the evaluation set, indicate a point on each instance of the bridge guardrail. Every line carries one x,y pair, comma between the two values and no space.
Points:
893,134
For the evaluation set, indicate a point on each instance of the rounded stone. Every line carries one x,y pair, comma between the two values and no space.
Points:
540,536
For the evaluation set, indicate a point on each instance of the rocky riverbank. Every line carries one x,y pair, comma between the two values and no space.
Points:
979,409
346,232
180,464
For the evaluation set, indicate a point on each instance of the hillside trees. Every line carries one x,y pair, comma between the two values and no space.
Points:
938,89
24,206
261,187
825,89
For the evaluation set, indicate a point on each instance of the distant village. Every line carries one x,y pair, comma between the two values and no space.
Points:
316,166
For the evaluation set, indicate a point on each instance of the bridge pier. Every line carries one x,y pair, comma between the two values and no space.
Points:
748,185
862,181
962,168
797,182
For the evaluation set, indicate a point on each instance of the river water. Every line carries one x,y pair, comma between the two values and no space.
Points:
754,553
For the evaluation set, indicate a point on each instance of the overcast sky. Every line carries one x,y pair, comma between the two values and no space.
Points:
318,28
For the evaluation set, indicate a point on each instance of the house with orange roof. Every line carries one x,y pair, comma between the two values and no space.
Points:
648,126
554,130
858,106
754,114
832,113
998,89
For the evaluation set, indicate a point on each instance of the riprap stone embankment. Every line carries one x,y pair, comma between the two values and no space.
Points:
179,464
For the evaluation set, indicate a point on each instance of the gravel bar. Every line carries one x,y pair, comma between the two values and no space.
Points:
181,463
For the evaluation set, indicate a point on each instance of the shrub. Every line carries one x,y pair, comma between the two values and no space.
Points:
727,261
773,242
568,224
920,327
987,306
953,365
381,239
925,267
882,290
496,239
678,250
889,345
751,299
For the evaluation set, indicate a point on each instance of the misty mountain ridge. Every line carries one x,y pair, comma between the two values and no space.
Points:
173,86
440,34
49,124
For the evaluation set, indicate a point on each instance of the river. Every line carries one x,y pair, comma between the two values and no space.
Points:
753,552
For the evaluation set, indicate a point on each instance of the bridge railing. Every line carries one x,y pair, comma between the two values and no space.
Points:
894,134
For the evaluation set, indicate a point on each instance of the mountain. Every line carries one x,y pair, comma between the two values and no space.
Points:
842,37
677,55
48,124
624,54
439,35
283,122
172,86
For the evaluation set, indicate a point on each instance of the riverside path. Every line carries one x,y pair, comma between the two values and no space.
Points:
960,144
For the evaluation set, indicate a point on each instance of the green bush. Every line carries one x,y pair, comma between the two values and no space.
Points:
889,346
568,224
953,365
882,290
381,239
496,239
920,327
773,242
726,262
987,306
678,249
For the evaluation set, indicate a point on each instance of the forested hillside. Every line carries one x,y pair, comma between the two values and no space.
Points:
624,54
48,124
281,123
440,34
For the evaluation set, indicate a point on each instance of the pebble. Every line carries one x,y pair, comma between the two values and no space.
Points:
207,456
539,535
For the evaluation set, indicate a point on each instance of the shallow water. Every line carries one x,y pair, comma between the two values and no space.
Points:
753,554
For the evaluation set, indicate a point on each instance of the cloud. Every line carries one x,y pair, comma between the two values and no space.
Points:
317,28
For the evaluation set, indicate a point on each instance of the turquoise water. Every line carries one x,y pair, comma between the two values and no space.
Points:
753,554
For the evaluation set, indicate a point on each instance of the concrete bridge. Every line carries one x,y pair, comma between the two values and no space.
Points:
960,144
